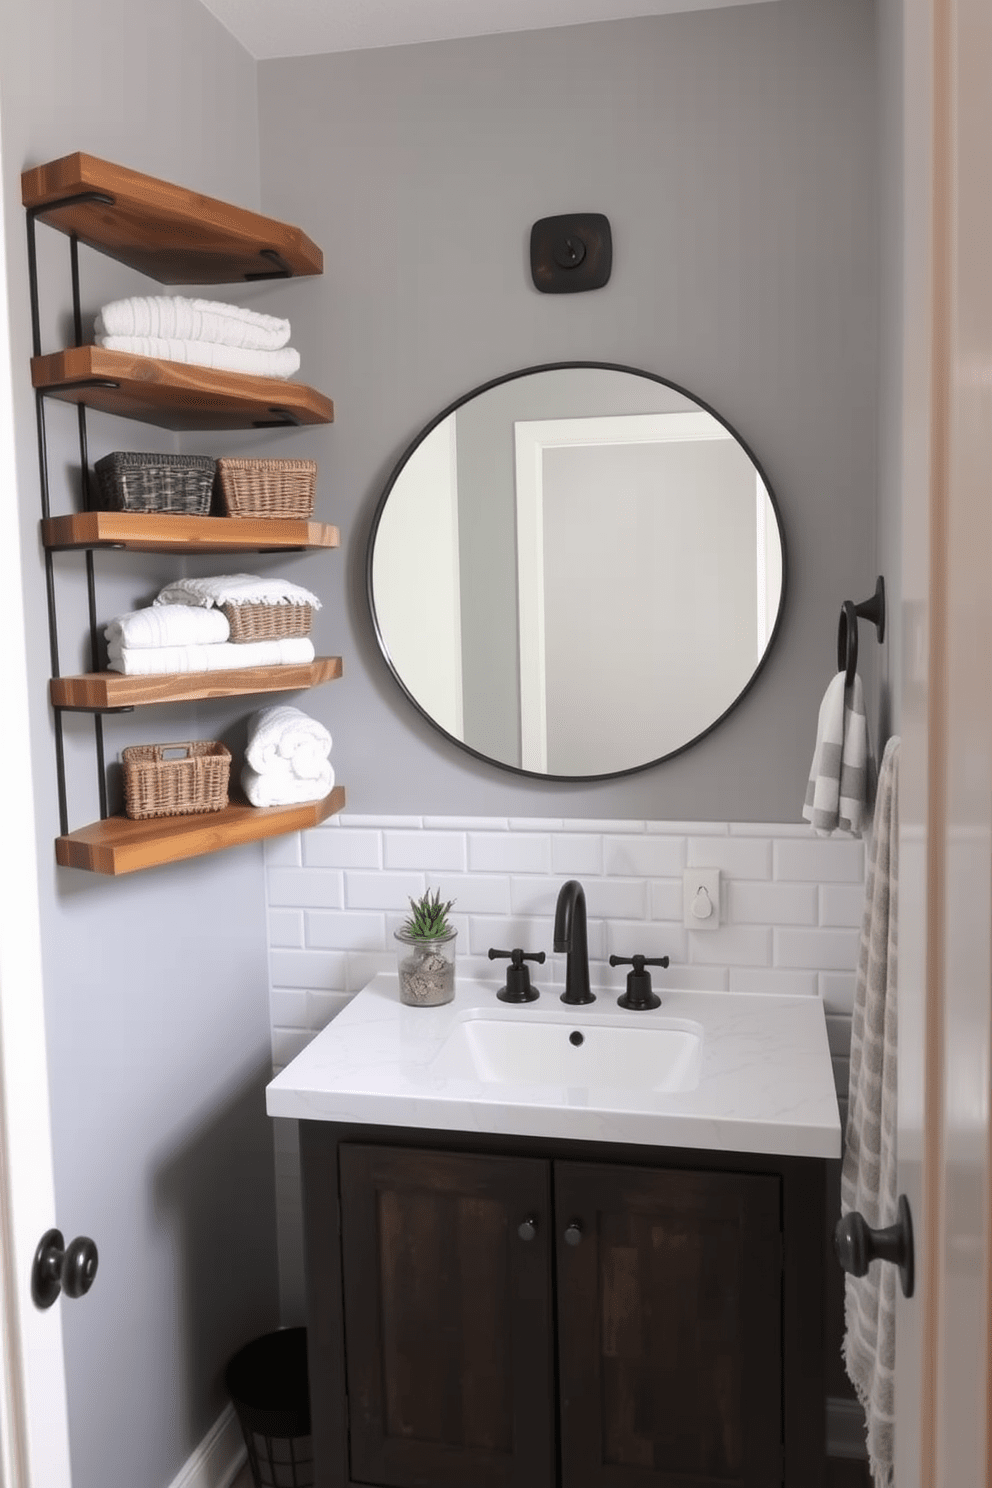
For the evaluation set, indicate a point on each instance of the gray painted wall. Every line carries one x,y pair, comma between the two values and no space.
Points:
734,152
155,986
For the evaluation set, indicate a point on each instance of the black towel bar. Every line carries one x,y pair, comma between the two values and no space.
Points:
872,609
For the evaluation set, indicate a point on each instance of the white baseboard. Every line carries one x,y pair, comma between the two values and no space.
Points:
845,1429
218,1459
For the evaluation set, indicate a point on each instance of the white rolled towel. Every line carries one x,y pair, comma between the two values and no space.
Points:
235,589
161,661
168,625
177,317
286,735
281,364
283,788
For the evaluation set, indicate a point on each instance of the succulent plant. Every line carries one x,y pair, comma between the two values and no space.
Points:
429,920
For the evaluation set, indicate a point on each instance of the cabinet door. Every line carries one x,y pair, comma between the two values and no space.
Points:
669,1299
448,1331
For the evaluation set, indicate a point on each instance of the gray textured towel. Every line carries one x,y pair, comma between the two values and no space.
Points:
868,1176
841,785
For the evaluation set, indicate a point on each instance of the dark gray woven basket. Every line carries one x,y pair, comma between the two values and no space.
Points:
129,481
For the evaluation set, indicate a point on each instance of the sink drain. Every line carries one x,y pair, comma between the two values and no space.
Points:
576,1038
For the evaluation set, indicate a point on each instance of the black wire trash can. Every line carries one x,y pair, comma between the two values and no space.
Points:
269,1388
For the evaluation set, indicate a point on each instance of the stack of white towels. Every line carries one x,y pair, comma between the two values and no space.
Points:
206,333
287,758
185,628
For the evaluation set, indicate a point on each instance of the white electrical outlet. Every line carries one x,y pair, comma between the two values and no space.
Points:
701,898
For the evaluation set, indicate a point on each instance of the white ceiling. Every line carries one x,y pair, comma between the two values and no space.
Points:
298,28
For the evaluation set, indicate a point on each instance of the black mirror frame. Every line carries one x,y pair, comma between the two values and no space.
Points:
397,471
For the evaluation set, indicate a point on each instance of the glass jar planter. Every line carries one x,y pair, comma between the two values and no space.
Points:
426,969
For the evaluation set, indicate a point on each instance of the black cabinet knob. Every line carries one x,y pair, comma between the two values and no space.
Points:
528,1229
856,1244
60,1268
573,1233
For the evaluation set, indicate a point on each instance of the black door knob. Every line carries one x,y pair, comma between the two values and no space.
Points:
573,1233
856,1244
58,1267
527,1229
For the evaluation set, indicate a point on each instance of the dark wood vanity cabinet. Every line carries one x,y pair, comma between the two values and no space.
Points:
542,1314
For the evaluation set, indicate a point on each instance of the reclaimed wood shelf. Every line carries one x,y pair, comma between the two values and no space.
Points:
98,692
165,231
175,395
167,532
119,845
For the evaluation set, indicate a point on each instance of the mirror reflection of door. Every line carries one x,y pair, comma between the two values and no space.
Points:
609,510
576,571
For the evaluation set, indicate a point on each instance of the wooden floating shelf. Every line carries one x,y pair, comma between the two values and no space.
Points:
166,532
173,235
175,395
96,691
119,845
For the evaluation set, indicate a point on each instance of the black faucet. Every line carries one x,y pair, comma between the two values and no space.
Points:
570,936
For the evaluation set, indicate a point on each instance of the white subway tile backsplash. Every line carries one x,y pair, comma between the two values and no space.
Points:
842,904
645,938
509,852
288,1007
828,950
475,893
468,823
345,848
382,890
339,930
573,853
791,905
731,945
319,969
309,888
346,820
649,856
752,903
766,980
737,857
665,899
323,1006
820,860
283,852
428,851
285,927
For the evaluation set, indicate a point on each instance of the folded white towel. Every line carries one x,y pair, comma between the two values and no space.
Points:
178,318
286,735
168,625
841,785
280,364
235,589
160,661
283,788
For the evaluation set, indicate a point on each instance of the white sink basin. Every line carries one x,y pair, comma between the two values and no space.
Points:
527,1049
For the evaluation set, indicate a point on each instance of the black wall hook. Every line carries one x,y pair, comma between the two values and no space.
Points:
872,609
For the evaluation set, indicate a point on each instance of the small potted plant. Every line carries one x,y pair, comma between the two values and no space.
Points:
427,958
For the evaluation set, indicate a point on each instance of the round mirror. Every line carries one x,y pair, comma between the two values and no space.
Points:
576,571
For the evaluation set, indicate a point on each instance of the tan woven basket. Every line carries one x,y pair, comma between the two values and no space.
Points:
194,782
262,622
267,488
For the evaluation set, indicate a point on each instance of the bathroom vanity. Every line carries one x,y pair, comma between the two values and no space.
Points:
524,1272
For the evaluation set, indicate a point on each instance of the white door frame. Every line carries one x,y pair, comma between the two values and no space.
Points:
34,1437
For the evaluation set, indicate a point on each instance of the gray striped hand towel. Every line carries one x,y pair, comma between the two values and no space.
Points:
868,1175
841,781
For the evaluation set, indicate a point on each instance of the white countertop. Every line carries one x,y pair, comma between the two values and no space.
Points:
765,1079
